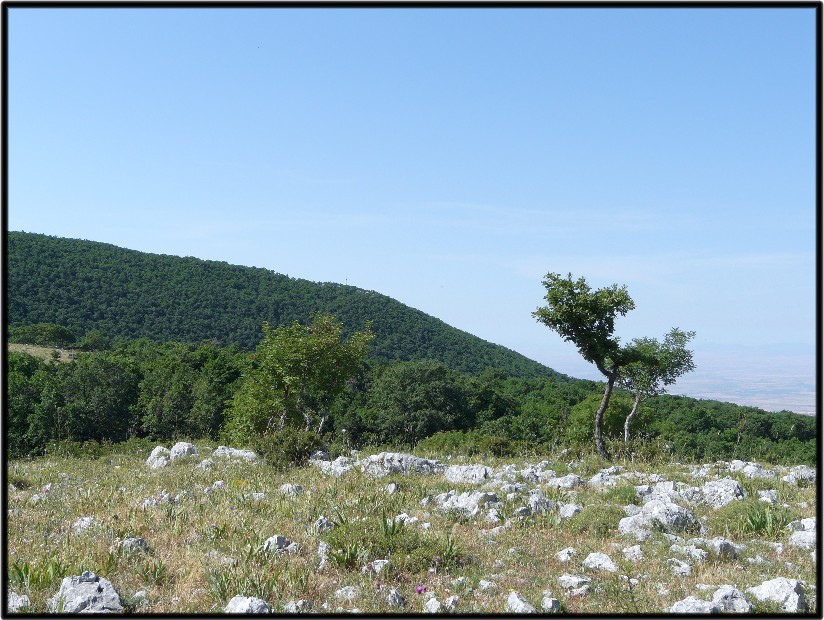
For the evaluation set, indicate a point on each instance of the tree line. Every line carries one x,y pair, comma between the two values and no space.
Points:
318,382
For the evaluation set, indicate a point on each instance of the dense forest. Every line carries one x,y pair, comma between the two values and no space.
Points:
85,285
162,350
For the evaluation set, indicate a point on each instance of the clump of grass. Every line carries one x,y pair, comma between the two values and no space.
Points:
752,517
600,520
622,494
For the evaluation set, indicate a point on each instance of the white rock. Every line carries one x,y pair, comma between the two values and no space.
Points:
731,600
568,581
801,474
770,496
679,568
432,606
804,539
600,561
517,604
719,493
246,605
550,604
347,593
483,584
278,545
290,489
567,511
17,602
691,551
385,463
566,554
181,449
297,607
633,553
84,523
451,603
375,566
789,593
133,544
692,605
569,481
234,453
85,593
754,470
469,503
723,548
159,457
394,599
468,474
336,468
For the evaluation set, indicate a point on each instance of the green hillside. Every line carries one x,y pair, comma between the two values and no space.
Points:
85,285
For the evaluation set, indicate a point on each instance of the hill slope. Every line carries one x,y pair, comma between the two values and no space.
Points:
86,285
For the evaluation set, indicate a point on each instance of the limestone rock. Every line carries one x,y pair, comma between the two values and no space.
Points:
347,593
550,604
800,475
568,581
469,503
517,604
468,474
279,545
159,457
432,606
731,600
386,463
181,449
336,468
394,599
804,539
789,593
290,489
565,555
297,607
225,452
570,481
692,605
600,561
246,605
85,593
719,493
17,602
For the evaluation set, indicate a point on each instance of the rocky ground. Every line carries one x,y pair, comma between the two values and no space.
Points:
191,529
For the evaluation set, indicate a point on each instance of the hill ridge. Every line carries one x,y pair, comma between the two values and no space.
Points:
83,285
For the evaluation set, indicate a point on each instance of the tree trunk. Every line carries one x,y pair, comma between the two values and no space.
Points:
599,415
631,415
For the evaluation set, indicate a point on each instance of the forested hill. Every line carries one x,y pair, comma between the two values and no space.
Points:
85,285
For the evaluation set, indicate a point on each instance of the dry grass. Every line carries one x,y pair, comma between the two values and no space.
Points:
44,353
206,548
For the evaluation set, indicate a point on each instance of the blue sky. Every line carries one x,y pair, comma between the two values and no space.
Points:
450,158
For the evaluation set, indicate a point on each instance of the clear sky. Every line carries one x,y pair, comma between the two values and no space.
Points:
450,158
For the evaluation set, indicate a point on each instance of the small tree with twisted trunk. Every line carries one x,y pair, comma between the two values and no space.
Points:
587,319
658,365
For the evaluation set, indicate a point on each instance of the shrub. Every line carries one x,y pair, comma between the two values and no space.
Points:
473,443
286,448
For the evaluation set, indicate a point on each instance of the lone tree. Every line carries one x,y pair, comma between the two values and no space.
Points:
658,365
587,319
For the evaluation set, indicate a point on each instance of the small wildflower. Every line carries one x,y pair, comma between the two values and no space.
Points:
420,589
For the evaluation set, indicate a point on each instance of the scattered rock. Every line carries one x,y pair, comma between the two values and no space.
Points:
570,481
279,545
600,561
432,606
85,593
567,511
565,555
469,503
375,566
386,463
84,523
394,599
246,605
347,593
789,593
568,581
719,493
181,449
722,548
297,607
633,553
468,474
692,605
336,468
682,569
731,600
517,604
133,545
801,474
159,457
17,602
484,585
804,539
290,489
550,604
225,452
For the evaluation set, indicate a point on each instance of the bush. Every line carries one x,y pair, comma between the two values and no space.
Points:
473,443
287,448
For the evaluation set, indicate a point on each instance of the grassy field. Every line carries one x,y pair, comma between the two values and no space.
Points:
207,547
43,353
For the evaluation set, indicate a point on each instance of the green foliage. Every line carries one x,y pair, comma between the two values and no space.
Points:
87,286
287,448
43,334
751,517
473,443
598,520
299,371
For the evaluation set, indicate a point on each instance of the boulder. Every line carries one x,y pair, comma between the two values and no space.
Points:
800,475
85,593
567,511
394,599
181,449
336,468
569,582
517,604
246,605
468,503
565,555
17,602
668,515
279,545
225,452
720,547
719,493
789,593
158,458
386,463
599,561
804,539
468,474
602,480
290,489
692,605
550,604
633,553
570,481
754,470
731,600
432,606
682,569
